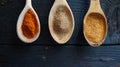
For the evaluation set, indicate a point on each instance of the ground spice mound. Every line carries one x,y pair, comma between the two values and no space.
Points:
62,23
29,25
95,28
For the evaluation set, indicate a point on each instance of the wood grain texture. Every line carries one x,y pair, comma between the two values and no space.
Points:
59,56
10,10
14,53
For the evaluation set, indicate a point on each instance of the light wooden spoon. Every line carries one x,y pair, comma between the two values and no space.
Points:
20,21
96,15
61,30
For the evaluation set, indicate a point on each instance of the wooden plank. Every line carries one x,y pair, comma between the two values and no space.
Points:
59,56
10,10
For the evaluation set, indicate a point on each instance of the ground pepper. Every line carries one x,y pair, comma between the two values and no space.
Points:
95,28
29,25
62,23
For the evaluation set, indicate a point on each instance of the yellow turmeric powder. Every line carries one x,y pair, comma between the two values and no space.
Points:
95,28
29,25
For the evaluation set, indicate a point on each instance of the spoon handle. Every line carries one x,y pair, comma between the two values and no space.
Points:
60,1
95,5
28,2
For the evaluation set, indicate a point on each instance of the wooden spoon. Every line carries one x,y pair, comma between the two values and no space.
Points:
20,21
61,21
95,17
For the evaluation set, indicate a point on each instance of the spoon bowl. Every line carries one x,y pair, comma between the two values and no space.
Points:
20,22
61,21
95,23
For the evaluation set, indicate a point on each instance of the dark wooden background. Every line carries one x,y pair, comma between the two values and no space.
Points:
45,52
